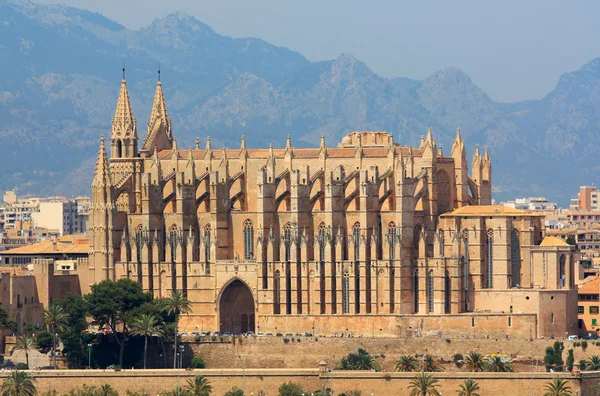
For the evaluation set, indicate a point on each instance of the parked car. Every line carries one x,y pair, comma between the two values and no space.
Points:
250,334
269,334
259,334
279,335
216,334
572,338
227,334
194,334
289,335
183,334
203,334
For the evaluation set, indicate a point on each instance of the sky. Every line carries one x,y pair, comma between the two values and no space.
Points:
513,50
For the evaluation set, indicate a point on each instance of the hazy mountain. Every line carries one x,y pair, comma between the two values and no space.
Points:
61,69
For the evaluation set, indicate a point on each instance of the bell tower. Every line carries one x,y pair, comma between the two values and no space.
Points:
123,138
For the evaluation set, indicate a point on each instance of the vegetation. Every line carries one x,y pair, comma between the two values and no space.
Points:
44,341
469,388
197,363
18,383
359,361
55,319
570,360
235,391
474,362
423,385
430,365
553,358
290,389
176,305
593,364
25,343
198,386
406,364
74,338
497,364
111,304
557,387
106,390
146,325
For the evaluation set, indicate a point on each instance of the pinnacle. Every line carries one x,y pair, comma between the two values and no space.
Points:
101,173
123,112
159,107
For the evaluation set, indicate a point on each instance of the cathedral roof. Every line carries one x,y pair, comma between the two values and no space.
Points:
490,211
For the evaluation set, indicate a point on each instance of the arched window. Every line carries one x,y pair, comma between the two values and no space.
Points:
276,293
25,302
356,240
346,293
447,292
444,192
139,242
173,242
416,290
430,291
416,239
207,242
321,241
466,259
248,240
287,240
489,259
392,240
119,148
561,271
18,301
442,241
515,258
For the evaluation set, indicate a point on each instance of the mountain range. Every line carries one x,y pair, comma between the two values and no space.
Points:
60,69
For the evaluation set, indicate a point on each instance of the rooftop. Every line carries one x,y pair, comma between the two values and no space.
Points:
590,287
489,210
68,244
553,241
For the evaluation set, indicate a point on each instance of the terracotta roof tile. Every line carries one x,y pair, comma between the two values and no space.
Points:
489,210
590,287
68,244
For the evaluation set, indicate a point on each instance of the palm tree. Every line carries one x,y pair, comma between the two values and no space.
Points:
56,319
557,387
497,364
18,383
474,362
146,325
406,364
423,385
593,364
176,304
26,344
469,388
198,386
430,365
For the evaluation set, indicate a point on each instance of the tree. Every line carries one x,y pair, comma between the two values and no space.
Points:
570,360
75,338
111,303
235,391
571,240
106,390
146,326
56,320
406,364
177,304
557,356
197,363
361,360
497,364
18,383
25,343
593,364
469,388
290,389
423,385
44,341
557,387
474,362
430,365
198,386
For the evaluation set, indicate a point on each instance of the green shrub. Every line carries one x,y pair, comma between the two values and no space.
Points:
21,366
290,389
582,364
213,338
235,391
44,341
115,367
584,345
570,360
458,360
197,363
286,340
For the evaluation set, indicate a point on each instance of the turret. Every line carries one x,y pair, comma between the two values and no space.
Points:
160,136
486,179
461,170
123,138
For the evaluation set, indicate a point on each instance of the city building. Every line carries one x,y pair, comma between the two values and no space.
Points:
369,237
65,250
61,214
587,199
532,203
588,308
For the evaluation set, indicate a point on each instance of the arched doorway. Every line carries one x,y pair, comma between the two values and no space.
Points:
236,308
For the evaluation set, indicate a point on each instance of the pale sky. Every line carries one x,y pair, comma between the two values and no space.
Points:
513,50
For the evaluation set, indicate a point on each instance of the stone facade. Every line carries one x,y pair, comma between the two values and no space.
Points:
366,234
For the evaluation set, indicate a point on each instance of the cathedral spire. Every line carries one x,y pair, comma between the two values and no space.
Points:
243,144
159,107
124,127
101,173
159,135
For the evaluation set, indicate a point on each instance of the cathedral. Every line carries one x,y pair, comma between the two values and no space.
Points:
370,237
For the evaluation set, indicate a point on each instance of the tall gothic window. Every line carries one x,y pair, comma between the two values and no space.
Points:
515,258
430,291
442,242
356,240
416,239
248,240
416,290
346,293
276,293
321,241
173,242
561,271
392,240
447,292
466,269
207,242
489,259
287,240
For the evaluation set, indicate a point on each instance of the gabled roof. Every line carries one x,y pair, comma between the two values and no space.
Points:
489,211
590,287
68,244
553,241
